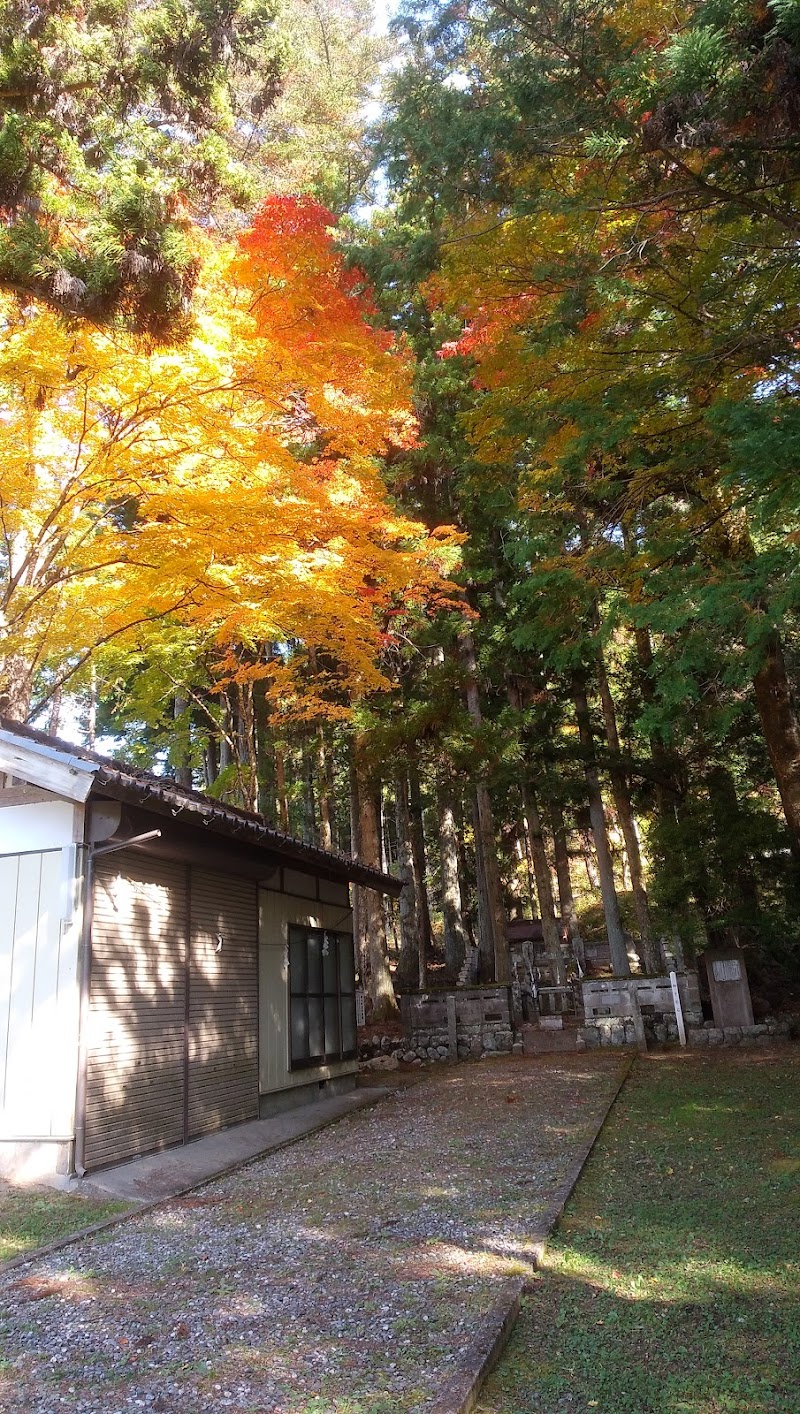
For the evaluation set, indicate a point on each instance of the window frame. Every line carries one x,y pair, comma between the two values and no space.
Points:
300,933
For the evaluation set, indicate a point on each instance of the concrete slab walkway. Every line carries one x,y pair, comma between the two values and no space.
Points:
345,1274
164,1175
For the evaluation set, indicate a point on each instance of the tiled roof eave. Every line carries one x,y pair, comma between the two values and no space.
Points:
236,824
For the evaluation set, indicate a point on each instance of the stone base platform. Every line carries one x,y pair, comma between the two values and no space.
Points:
541,1041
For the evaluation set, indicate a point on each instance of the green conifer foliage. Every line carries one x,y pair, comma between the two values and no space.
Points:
123,122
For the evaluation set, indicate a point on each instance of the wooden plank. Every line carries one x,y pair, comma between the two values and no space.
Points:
127,1072
299,883
23,795
66,777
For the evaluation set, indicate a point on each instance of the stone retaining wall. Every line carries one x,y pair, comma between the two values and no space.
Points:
607,999
618,1031
763,1033
458,1024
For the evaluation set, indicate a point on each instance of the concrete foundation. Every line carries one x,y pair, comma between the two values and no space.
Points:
49,1161
280,1101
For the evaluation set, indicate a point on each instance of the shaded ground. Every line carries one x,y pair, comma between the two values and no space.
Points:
672,1286
339,1276
32,1217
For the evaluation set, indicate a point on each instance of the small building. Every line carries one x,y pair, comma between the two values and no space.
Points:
169,965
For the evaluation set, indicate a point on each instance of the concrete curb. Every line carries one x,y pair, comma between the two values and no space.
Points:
462,1391
460,1394
365,1102
554,1213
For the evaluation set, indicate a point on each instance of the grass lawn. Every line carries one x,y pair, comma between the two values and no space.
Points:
672,1285
31,1217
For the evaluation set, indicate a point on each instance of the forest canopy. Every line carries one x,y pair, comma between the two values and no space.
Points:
473,508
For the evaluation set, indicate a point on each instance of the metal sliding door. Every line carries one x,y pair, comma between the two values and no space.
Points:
223,1003
135,1077
172,1044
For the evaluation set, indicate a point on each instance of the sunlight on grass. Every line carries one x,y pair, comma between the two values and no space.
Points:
31,1217
673,1284
697,1277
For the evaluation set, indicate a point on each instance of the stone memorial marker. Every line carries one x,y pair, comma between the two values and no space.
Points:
729,987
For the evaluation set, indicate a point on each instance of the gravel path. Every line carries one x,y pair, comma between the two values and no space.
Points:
342,1275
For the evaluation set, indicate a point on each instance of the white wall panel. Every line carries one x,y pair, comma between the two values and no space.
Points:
47,824
38,997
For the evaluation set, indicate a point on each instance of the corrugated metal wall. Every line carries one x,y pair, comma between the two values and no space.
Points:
135,1078
173,1026
223,1003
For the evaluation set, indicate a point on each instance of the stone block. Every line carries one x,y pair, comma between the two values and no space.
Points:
382,1063
715,1036
733,1035
697,1036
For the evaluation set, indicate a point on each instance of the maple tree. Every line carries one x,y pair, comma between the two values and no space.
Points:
230,483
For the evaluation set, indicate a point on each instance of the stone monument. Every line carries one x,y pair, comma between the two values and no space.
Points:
729,987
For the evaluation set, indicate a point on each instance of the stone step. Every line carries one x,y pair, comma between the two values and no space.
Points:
537,1041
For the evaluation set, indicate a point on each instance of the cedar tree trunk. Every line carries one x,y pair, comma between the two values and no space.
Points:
616,936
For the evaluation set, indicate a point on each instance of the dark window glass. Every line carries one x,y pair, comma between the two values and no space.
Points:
314,944
299,1026
333,1040
347,965
316,1030
322,989
330,964
298,962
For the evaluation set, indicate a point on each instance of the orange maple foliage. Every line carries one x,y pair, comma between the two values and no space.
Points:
230,486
